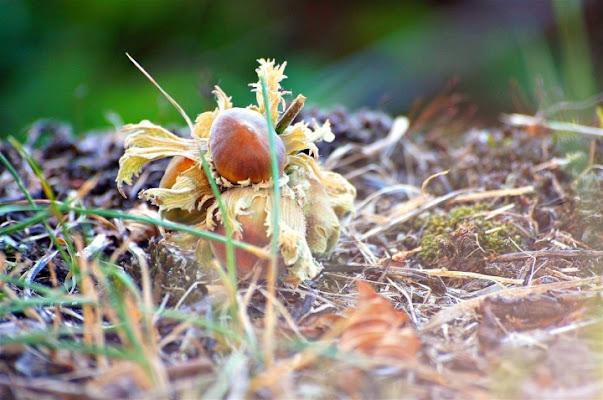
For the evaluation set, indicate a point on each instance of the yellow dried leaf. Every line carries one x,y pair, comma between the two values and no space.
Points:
340,191
224,102
203,124
273,75
204,120
190,191
148,142
322,231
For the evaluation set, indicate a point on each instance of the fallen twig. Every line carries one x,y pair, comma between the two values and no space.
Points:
549,254
489,194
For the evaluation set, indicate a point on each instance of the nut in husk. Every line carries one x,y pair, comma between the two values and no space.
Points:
234,142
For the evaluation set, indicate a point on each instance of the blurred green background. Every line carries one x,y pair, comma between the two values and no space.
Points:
65,59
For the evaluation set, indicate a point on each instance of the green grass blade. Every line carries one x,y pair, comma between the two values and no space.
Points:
67,257
39,217
276,193
270,317
11,169
150,221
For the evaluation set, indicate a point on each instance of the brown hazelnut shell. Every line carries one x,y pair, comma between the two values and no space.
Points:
240,147
177,165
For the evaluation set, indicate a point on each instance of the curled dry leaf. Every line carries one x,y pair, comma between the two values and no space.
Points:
378,330
235,143
373,328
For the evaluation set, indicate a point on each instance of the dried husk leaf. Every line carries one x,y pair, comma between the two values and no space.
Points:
204,120
203,124
322,224
190,192
184,217
224,102
300,137
203,253
175,168
323,227
253,231
238,202
292,240
295,139
273,75
246,205
340,191
148,142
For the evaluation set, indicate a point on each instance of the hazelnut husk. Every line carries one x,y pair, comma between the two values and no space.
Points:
240,147
176,166
322,224
250,217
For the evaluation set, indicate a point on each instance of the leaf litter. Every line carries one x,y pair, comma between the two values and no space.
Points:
481,282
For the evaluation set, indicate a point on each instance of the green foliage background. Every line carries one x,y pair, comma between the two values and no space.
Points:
64,59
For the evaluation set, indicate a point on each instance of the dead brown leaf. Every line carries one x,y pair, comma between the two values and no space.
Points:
377,330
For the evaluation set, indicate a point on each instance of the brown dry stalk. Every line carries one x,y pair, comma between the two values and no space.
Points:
93,332
489,194
404,271
549,254
150,339
421,208
290,114
337,159
270,317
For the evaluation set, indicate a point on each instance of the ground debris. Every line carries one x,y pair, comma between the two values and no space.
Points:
494,269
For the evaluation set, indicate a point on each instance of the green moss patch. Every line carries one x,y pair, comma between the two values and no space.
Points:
465,232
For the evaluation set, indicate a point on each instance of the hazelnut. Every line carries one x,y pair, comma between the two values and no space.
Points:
240,148
177,165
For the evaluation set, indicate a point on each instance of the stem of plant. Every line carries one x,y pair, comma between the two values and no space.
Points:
270,319
290,114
